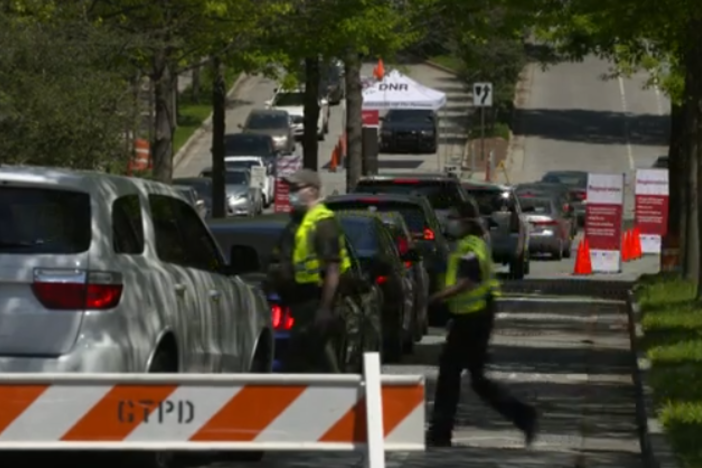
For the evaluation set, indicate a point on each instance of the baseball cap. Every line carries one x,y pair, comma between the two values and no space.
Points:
304,177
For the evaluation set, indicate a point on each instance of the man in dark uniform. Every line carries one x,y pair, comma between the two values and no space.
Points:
469,296
312,262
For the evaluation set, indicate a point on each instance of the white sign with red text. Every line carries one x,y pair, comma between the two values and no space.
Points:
651,212
285,166
603,221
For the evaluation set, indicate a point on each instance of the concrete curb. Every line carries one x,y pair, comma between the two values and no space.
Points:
655,448
206,124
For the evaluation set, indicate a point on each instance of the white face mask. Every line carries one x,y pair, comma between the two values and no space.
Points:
294,199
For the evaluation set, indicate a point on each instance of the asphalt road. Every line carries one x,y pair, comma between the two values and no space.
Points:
569,357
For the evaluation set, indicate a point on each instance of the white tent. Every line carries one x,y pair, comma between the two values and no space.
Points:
397,91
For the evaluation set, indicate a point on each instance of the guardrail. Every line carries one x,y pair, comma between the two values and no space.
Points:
371,413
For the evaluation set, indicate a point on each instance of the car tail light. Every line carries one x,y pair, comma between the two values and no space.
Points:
549,222
282,318
381,280
566,207
406,181
402,245
429,234
77,289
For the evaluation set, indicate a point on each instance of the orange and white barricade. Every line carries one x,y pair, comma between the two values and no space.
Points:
372,413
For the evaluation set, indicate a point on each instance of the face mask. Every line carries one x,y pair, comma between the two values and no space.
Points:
454,228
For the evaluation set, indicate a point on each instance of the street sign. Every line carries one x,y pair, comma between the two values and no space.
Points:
482,94
258,176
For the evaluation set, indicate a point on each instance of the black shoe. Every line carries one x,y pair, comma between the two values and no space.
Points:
531,429
435,440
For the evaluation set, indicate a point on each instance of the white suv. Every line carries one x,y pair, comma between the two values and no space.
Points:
101,273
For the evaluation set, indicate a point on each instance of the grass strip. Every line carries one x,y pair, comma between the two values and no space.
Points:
672,323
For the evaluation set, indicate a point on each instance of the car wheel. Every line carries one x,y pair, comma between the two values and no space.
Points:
527,263
567,251
320,136
393,339
409,338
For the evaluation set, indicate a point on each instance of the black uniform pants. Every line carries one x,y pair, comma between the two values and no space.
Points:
310,350
466,347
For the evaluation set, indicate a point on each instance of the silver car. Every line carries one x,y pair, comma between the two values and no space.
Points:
272,122
241,198
116,274
550,227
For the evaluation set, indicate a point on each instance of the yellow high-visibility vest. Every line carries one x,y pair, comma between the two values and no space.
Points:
475,299
305,260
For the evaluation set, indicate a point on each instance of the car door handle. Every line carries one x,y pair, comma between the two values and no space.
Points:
214,295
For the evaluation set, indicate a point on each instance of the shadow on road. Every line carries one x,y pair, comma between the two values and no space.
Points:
598,127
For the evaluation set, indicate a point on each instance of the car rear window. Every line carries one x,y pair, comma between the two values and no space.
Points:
46,221
411,213
441,195
539,205
360,233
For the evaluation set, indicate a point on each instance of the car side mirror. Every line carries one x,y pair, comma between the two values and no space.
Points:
412,255
269,103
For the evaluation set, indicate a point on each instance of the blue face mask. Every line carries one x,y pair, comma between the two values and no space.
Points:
294,199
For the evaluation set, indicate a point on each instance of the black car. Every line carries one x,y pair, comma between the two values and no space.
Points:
509,232
444,191
248,243
661,162
249,144
576,181
409,130
561,192
405,243
382,263
420,219
203,186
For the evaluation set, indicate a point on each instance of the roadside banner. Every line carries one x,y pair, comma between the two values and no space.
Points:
651,215
603,221
285,166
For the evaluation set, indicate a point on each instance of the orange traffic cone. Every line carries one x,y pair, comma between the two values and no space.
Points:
636,241
334,159
626,246
583,263
379,70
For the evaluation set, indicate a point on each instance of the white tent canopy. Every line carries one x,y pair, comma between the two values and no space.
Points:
397,91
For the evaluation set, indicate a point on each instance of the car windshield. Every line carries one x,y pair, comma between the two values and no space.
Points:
536,205
567,178
290,99
267,121
491,200
44,221
247,145
441,195
360,233
411,213
408,116
241,164
230,177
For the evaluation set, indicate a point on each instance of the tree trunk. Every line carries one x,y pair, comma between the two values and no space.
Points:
219,104
164,121
354,124
310,144
195,84
677,176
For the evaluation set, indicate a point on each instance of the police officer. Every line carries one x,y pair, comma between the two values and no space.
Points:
470,286
312,262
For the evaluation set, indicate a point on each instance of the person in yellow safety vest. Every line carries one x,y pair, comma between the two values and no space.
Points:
312,262
468,294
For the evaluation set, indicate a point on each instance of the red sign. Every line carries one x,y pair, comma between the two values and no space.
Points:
370,118
281,200
603,226
652,201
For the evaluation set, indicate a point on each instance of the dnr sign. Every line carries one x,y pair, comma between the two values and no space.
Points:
393,87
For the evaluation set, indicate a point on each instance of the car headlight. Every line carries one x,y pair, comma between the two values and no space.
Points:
236,199
427,132
279,139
